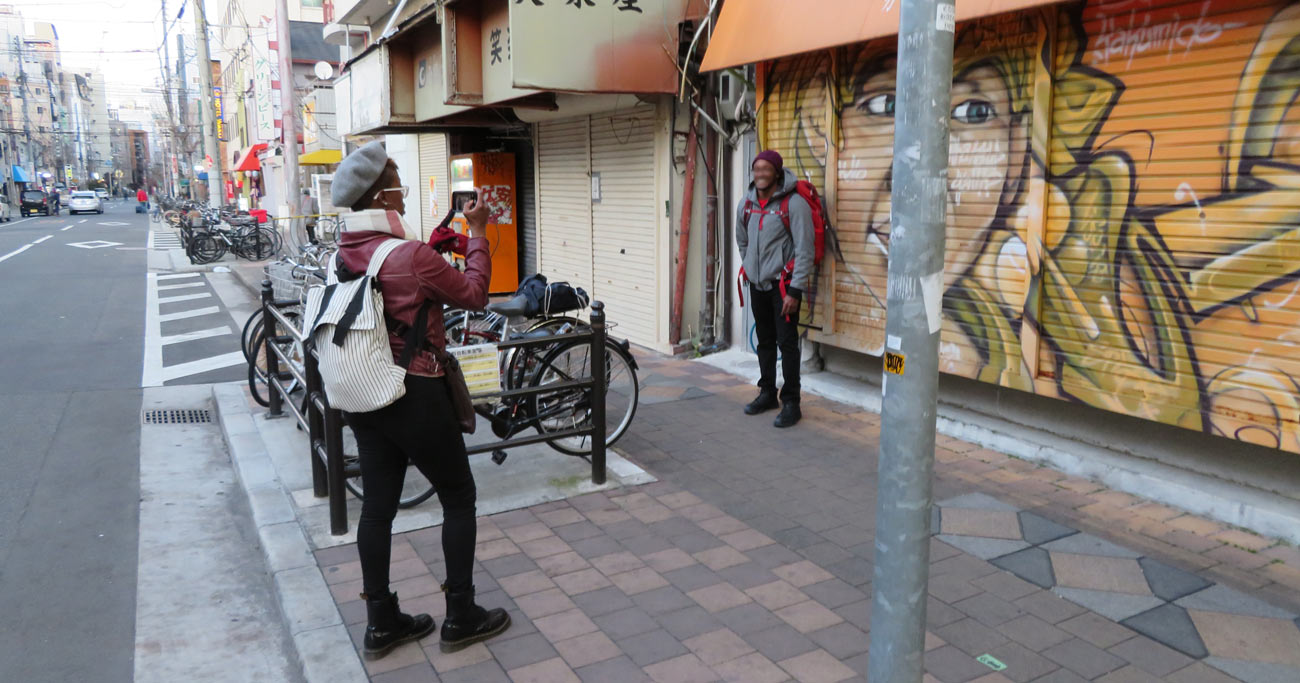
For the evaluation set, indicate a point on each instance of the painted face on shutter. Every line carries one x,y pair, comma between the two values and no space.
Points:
987,160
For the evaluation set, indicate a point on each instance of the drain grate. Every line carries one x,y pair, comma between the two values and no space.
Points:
177,417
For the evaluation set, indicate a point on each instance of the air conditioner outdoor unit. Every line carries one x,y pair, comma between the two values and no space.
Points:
733,91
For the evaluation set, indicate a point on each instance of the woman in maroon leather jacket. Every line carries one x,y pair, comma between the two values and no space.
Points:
420,427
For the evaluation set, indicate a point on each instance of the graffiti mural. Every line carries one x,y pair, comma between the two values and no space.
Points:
1124,204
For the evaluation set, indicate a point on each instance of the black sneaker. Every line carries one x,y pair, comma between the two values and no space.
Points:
766,401
790,415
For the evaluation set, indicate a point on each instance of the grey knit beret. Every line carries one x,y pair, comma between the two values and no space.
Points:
357,173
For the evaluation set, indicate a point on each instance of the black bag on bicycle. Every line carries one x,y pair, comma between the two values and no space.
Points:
545,298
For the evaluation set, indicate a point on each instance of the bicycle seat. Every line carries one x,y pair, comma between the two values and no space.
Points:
514,308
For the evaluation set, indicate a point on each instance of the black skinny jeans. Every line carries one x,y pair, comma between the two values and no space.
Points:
774,332
420,428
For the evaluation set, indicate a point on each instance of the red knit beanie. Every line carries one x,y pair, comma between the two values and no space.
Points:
771,156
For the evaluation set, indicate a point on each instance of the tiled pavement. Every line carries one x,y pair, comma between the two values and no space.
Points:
751,561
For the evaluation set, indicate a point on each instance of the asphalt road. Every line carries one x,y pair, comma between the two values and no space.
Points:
74,348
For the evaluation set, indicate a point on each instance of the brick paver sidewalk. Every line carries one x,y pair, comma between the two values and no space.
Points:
751,561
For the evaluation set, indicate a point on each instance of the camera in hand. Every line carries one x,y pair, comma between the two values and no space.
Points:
460,200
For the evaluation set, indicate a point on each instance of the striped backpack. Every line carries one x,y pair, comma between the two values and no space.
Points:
350,336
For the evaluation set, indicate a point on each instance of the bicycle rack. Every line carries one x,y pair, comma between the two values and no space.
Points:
324,425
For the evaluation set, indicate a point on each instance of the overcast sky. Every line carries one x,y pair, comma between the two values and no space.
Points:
118,37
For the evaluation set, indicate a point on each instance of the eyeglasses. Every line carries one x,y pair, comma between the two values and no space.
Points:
403,189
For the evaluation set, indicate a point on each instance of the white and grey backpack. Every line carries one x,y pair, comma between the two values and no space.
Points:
350,335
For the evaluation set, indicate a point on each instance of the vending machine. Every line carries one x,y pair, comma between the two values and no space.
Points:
493,175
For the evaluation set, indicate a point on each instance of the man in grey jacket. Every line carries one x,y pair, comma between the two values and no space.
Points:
774,230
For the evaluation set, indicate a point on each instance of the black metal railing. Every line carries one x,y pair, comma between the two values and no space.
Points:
330,467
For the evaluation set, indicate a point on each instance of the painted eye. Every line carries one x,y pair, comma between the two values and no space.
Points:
974,111
879,105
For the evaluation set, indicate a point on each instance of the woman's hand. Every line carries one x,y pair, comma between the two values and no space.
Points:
476,216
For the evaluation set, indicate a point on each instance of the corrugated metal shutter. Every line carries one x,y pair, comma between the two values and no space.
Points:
624,220
564,201
1169,289
527,208
433,163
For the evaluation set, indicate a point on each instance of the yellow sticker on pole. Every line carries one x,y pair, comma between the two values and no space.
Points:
894,362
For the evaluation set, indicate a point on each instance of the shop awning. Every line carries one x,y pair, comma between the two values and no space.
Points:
745,33
248,158
21,175
320,157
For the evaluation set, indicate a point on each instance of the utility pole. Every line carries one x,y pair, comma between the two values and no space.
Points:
288,111
169,161
26,92
919,198
207,112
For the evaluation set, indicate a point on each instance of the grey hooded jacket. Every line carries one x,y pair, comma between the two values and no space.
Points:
766,246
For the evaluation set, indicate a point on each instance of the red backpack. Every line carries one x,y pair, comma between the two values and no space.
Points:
821,225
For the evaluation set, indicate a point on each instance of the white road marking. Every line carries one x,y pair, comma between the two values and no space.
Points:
42,239
195,367
154,373
15,252
183,285
183,297
94,244
83,220
66,227
176,276
20,220
182,315
197,334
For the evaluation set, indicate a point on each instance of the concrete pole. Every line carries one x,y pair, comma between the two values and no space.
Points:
288,107
207,112
914,295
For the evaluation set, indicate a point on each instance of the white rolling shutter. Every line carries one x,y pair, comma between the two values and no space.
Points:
433,162
564,201
624,221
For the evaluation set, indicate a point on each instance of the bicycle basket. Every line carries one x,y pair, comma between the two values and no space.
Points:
283,283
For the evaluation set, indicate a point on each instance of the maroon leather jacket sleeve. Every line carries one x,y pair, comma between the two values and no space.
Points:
440,281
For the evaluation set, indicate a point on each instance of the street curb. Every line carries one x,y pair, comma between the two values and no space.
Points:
1240,505
325,651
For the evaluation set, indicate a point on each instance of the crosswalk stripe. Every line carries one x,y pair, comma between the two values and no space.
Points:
195,367
197,334
182,315
176,276
184,285
183,297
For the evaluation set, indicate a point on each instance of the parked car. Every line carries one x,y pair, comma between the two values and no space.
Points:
37,201
6,213
102,194
85,201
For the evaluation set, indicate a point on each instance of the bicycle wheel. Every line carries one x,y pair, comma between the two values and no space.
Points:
206,248
258,245
415,488
252,329
257,384
571,409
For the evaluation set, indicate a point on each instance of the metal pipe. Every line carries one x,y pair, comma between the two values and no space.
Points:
709,288
600,378
910,382
684,238
272,362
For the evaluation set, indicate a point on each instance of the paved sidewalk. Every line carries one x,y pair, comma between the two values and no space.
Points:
751,561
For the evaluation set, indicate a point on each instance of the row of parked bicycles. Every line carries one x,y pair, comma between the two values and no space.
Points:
208,234
532,366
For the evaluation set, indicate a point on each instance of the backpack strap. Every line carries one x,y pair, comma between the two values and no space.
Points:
381,254
749,211
415,337
359,297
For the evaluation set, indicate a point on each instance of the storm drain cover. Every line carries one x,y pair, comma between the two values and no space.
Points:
177,417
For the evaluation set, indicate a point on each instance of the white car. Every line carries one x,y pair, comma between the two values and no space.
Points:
102,194
85,201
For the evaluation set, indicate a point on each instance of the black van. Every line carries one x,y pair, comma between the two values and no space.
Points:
36,201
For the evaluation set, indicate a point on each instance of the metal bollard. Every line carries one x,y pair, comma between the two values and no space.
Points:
334,464
315,423
275,409
599,382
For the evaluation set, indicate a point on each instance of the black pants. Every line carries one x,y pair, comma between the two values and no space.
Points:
419,428
774,333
